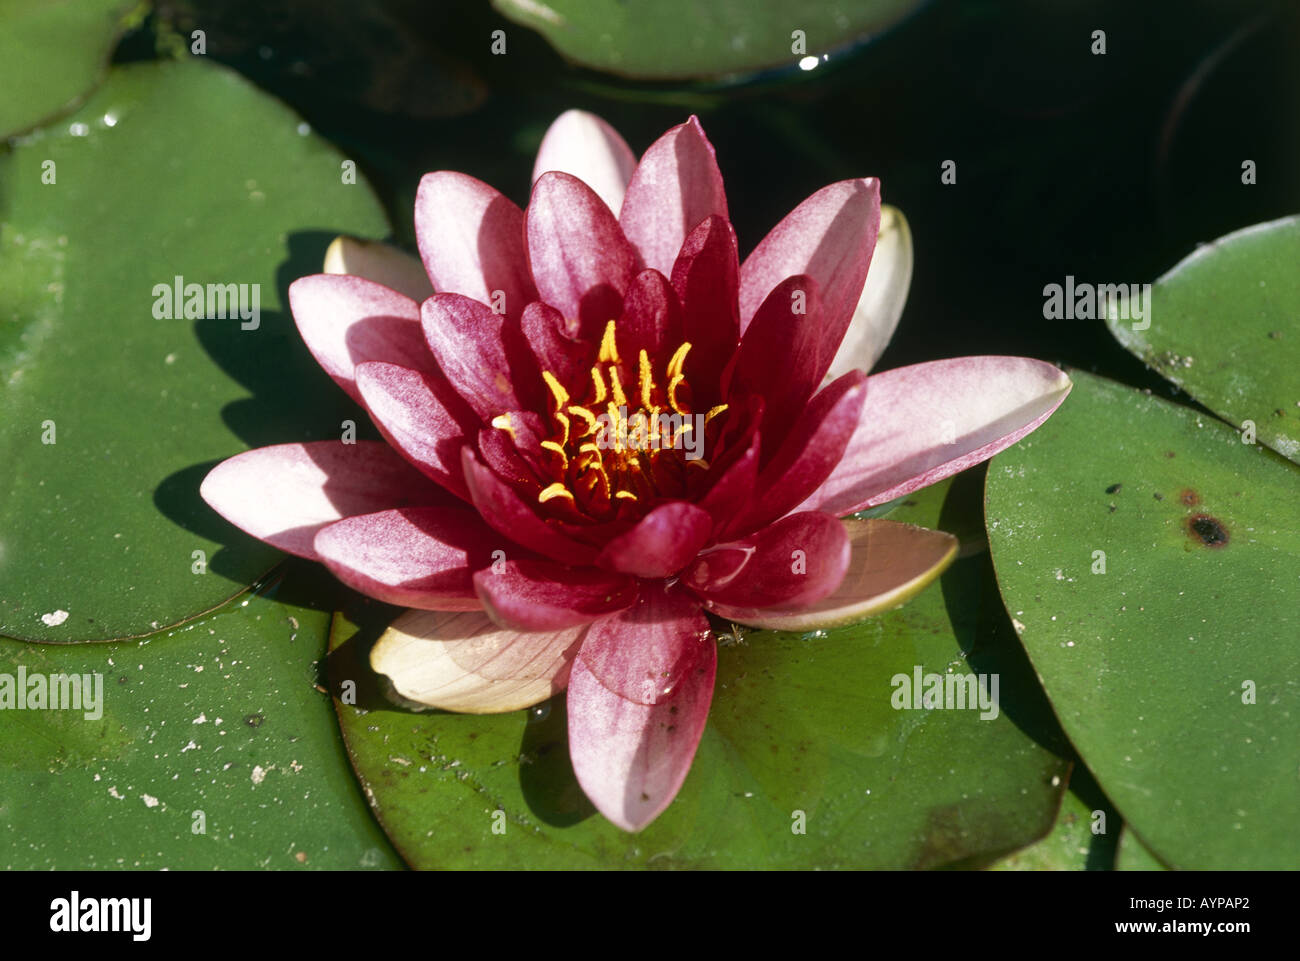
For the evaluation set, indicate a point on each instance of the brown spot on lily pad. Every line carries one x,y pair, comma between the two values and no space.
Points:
1190,497
1209,530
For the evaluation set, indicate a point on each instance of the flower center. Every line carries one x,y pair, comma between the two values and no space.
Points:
632,438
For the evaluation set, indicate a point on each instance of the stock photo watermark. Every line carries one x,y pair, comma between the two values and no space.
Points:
1085,301
181,301
919,691
75,914
53,692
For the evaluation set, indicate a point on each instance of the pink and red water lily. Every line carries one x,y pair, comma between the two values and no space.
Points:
600,424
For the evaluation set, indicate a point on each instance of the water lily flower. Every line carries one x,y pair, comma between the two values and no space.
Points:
600,424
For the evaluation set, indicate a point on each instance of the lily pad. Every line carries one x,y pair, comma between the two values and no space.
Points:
214,748
1225,327
678,39
52,52
114,411
1150,563
802,736
1071,846
1134,856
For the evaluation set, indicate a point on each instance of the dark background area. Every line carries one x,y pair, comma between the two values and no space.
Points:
1108,167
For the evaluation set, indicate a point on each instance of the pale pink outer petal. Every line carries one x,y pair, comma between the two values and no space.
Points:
347,321
412,557
829,237
883,297
463,662
923,423
584,145
632,758
383,263
890,563
471,240
675,187
285,494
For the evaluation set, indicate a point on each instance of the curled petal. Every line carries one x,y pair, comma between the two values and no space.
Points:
346,321
890,563
414,557
923,423
795,562
471,241
661,543
830,237
463,662
285,494
883,296
383,263
533,595
584,145
676,185
631,758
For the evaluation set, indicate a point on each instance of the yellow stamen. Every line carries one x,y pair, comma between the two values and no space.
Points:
615,427
678,360
616,387
553,446
672,393
555,490
608,348
599,383
564,422
647,380
557,389
714,412
626,495
587,416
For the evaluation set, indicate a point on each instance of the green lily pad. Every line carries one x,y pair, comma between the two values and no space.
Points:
801,734
214,748
180,170
1171,672
1225,327
1134,856
1072,845
52,52
677,39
